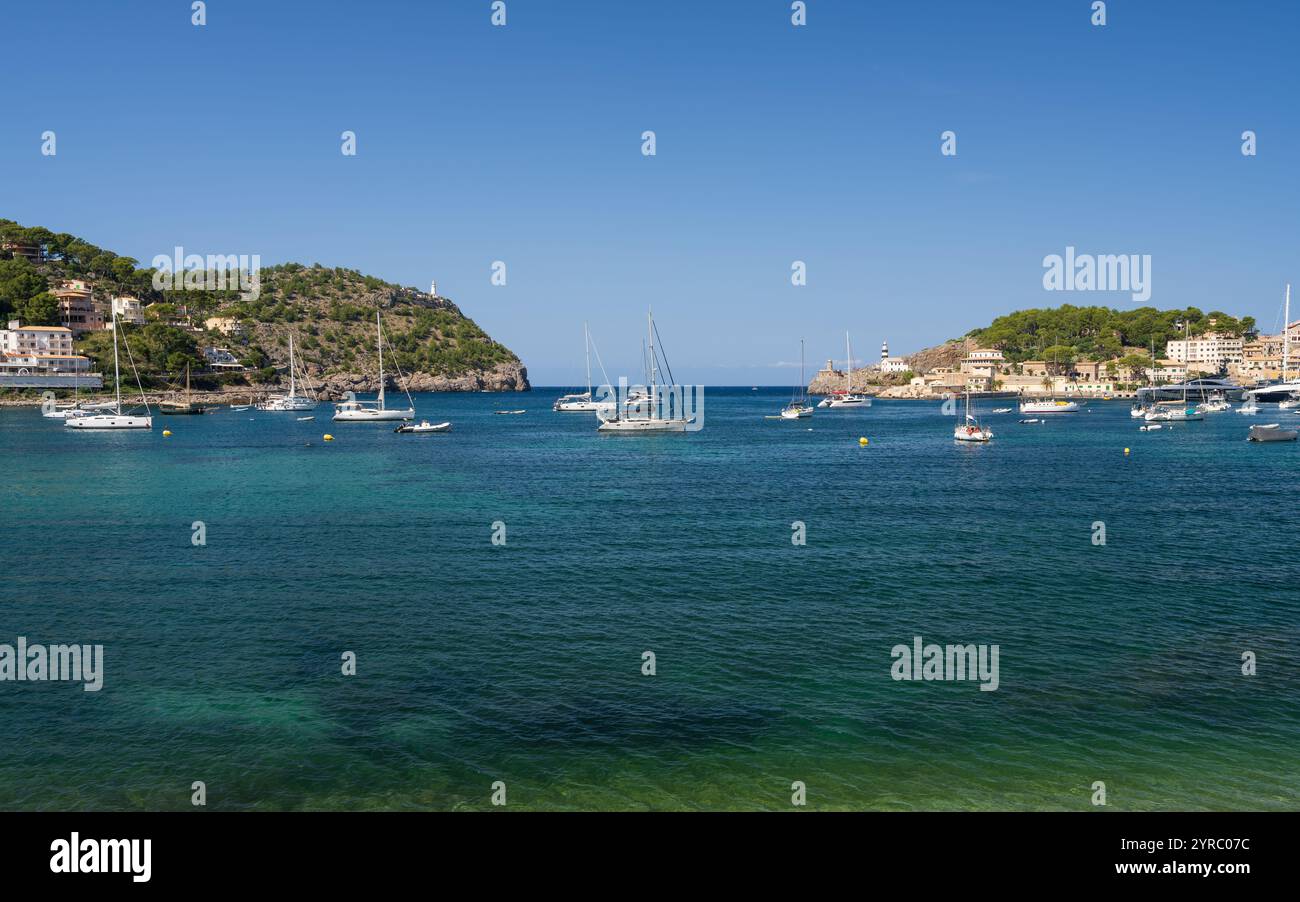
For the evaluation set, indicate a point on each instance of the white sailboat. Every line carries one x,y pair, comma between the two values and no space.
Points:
970,429
583,402
1176,411
1287,387
354,411
293,400
847,398
636,422
116,419
798,408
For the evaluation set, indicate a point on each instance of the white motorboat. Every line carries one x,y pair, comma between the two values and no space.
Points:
354,411
1289,403
798,408
1137,411
292,401
1250,407
1002,410
648,418
970,430
1049,406
1150,427
1216,403
423,427
116,419
1272,432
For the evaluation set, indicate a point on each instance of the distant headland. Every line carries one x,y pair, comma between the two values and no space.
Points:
59,294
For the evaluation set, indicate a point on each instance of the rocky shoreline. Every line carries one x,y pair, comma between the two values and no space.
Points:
506,377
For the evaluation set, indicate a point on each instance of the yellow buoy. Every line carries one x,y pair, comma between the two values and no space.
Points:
167,432
1126,450
863,441
328,437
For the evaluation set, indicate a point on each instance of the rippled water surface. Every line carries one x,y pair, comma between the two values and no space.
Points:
522,662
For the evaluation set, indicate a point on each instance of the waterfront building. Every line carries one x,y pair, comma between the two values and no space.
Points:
77,310
39,350
987,362
1214,351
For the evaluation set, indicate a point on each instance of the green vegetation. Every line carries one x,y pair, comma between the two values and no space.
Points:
1068,334
331,310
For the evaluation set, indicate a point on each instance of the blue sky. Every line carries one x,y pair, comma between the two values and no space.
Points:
774,143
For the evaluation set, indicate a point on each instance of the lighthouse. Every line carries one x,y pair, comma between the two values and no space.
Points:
884,353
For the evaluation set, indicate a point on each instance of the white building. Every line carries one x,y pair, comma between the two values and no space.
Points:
891,364
129,310
983,362
1213,350
39,349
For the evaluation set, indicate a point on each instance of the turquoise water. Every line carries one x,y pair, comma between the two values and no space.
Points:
522,662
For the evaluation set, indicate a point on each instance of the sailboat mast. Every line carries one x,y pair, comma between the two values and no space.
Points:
654,363
803,386
293,386
848,365
586,341
117,375
1286,333
379,342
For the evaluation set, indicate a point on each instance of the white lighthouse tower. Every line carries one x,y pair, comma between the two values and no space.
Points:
884,354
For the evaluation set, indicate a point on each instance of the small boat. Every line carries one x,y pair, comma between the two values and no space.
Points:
583,402
650,417
1290,402
1049,406
1272,432
188,407
848,397
293,400
1032,420
423,427
1137,411
115,419
509,412
1250,408
354,411
1151,428
798,408
305,419
1002,410
971,430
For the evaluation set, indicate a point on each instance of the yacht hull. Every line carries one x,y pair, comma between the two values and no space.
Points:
641,427
373,416
109,421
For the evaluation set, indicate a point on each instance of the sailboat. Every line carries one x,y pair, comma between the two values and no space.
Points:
635,422
182,408
970,429
847,398
584,402
370,411
293,400
798,408
1284,389
116,419
1177,411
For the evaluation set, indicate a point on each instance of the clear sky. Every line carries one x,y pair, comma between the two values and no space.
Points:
775,143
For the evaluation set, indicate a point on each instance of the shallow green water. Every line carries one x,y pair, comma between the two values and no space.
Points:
522,662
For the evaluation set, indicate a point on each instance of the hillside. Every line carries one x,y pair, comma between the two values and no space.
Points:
330,310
